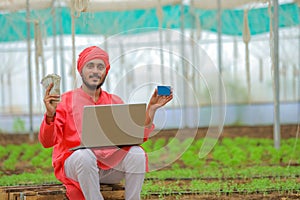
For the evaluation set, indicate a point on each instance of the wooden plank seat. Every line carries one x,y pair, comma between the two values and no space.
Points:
55,192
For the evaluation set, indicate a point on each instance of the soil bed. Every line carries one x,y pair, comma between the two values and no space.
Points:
287,131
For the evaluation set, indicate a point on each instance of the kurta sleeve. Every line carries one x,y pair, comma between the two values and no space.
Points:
48,135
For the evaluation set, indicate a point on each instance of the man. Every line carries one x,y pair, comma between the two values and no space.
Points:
82,171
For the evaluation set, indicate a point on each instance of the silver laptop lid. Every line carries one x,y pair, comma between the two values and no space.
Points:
113,125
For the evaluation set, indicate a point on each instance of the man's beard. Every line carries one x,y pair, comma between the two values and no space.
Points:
92,87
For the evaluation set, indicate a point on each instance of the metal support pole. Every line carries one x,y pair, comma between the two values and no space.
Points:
162,67
235,58
38,51
276,130
106,48
297,72
220,110
73,71
54,37
194,47
184,70
159,13
61,49
29,72
9,92
2,93
219,37
171,62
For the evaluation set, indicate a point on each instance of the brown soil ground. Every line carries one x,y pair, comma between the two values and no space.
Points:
287,131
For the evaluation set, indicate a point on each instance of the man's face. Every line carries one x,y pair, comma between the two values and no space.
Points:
93,74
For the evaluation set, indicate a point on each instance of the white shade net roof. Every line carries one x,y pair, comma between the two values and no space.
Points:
102,5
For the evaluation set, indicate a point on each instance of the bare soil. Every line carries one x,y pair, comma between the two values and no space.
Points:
286,131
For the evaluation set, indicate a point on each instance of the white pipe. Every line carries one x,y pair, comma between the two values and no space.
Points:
29,71
276,131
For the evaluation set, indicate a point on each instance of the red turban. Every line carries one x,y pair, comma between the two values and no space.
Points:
92,53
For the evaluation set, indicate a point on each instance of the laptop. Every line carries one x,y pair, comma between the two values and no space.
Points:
112,125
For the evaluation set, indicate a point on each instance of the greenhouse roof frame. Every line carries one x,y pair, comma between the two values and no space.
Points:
118,5
15,28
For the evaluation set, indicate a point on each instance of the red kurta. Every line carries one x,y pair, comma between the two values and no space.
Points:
65,133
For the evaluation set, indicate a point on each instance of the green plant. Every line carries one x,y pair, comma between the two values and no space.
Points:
42,159
3,152
147,145
19,125
30,151
27,178
11,161
158,144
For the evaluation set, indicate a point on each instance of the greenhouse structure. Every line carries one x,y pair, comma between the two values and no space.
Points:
228,62
228,130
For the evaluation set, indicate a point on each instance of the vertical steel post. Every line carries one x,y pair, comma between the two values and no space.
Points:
29,72
219,18
2,92
220,93
162,69
53,11
61,50
276,130
298,78
184,70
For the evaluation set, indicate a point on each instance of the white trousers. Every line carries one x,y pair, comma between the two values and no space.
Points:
82,167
